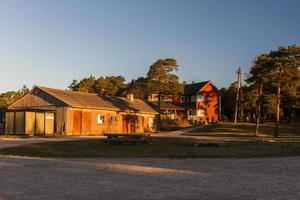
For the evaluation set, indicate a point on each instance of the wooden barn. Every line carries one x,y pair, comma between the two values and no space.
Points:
48,111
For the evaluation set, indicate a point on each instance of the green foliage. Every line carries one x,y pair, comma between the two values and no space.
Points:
161,77
278,72
109,85
138,88
228,96
10,97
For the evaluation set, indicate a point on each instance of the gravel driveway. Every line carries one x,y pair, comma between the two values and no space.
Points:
138,179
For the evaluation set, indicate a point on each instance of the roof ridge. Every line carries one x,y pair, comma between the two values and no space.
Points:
201,82
66,90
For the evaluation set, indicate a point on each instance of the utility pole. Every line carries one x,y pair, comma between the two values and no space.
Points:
238,87
241,98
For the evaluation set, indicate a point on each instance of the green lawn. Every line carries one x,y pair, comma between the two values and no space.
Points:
246,129
159,147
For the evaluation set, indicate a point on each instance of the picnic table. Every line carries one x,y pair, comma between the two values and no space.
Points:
127,138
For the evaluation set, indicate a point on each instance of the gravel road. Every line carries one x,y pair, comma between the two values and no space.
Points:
153,178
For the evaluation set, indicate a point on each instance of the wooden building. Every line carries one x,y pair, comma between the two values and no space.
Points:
205,98
48,111
199,102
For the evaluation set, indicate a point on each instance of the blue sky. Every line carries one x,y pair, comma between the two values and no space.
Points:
52,42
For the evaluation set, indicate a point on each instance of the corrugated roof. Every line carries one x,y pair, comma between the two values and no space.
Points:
88,100
192,89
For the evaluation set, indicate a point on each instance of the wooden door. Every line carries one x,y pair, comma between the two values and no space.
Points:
77,120
9,122
124,124
30,123
19,123
49,123
40,123
87,122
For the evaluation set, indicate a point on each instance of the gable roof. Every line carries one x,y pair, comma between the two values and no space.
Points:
192,89
93,101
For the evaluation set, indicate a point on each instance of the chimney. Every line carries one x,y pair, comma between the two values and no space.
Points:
130,97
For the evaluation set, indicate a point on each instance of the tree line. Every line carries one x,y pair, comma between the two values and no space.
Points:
272,86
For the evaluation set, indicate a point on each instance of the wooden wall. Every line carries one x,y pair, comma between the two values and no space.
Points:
85,122
9,122
72,121
212,103
30,122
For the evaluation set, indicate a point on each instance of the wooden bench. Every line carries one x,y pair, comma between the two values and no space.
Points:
131,138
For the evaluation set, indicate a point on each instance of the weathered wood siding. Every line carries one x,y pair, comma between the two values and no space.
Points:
40,123
9,122
38,99
30,123
85,122
40,113
19,122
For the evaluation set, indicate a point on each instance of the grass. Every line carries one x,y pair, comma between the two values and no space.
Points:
247,130
174,125
159,147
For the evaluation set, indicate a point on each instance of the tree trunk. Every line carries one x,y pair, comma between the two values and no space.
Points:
276,134
158,110
258,110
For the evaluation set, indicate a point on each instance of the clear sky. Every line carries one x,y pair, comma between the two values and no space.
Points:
52,42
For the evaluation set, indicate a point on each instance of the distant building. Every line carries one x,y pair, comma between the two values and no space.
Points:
48,111
200,102
205,98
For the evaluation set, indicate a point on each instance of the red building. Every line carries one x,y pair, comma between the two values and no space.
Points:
200,102
205,98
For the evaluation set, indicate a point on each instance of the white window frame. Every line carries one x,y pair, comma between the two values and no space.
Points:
200,98
113,119
201,113
151,122
100,119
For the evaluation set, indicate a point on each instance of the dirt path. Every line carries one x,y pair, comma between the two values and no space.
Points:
141,179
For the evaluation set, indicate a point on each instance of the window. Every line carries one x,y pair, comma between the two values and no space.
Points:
100,119
200,113
113,119
183,99
200,98
151,123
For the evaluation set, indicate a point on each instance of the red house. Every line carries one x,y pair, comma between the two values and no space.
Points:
205,98
200,103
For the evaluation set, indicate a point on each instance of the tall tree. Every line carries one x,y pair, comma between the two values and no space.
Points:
277,72
258,77
284,71
162,80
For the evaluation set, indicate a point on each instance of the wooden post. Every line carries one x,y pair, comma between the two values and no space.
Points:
241,99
